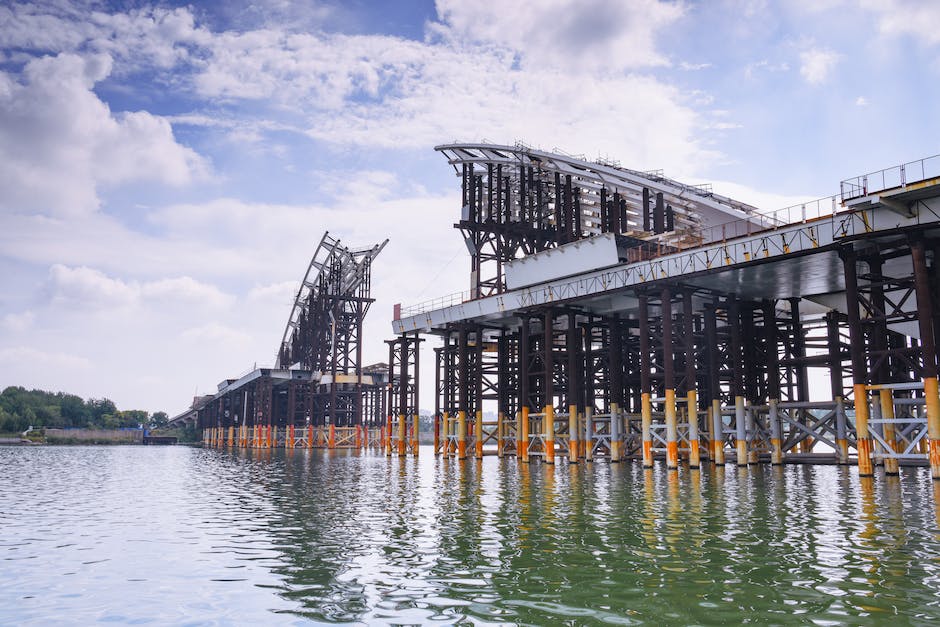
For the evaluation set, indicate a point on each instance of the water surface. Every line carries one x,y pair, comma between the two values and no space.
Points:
192,536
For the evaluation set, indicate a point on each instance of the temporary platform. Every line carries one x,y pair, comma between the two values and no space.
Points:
616,313
318,394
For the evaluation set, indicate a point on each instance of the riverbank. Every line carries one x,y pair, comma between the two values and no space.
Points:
15,441
93,436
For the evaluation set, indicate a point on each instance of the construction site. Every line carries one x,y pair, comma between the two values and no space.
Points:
616,315
318,394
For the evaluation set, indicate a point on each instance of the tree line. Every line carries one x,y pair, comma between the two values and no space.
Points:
21,408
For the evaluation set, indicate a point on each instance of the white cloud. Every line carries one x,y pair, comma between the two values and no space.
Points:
301,70
916,18
600,35
816,64
214,334
18,322
650,129
370,185
764,65
59,142
279,293
90,289
384,91
817,6
861,101
724,126
186,290
767,202
38,360
145,36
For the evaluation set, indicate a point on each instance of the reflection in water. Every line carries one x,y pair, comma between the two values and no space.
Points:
186,535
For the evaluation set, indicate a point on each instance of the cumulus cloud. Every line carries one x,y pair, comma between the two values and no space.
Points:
480,66
214,334
59,142
280,292
918,19
816,64
147,36
90,289
755,68
17,322
387,92
652,129
43,360
693,67
605,35
307,70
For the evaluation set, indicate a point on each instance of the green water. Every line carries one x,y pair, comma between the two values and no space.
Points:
178,535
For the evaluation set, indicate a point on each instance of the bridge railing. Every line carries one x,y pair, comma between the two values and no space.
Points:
890,178
437,303
765,221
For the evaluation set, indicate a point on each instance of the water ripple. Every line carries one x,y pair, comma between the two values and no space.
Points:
192,536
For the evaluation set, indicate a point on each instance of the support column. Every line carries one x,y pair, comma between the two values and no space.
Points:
773,382
462,384
500,433
615,364
387,429
928,351
714,385
522,430
502,395
478,434
877,333
415,418
672,444
438,356
402,400
882,372
835,384
549,387
886,400
574,387
589,392
737,385
646,406
859,374
802,377
691,394
478,401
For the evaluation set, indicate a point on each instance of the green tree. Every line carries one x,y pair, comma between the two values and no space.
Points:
73,410
20,408
101,408
159,420
133,418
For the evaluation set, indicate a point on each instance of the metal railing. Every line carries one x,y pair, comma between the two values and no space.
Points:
437,303
745,227
890,178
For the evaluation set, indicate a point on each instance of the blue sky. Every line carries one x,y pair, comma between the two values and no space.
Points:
166,170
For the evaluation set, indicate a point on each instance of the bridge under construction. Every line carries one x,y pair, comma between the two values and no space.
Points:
318,394
618,314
